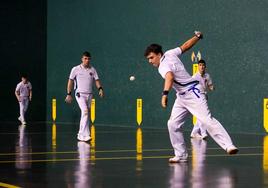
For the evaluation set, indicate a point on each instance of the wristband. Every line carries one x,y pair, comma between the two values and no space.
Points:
165,92
100,88
69,93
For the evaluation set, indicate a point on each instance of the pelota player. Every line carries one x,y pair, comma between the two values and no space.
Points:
206,85
82,77
188,98
23,92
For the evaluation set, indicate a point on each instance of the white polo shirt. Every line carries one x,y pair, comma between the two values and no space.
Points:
83,78
204,81
24,89
170,62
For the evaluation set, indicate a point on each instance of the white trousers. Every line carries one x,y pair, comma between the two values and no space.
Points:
198,107
24,103
84,101
198,128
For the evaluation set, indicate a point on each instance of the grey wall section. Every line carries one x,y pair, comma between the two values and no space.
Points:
117,32
23,49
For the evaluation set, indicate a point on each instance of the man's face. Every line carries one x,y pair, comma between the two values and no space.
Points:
154,59
201,68
24,80
85,60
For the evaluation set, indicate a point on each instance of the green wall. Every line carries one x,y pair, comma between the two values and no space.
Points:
117,32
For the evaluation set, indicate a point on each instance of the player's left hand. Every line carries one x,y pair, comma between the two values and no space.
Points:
164,101
68,99
101,93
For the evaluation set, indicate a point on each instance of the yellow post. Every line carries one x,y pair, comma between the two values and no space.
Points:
93,144
265,158
139,111
92,110
54,136
54,109
195,69
265,114
139,143
93,136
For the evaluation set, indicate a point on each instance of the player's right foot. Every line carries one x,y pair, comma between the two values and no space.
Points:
178,159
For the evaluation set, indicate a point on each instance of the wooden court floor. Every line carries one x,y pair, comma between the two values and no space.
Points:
48,155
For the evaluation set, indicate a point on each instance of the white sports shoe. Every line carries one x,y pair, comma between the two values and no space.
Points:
80,137
22,122
87,138
232,150
178,159
83,138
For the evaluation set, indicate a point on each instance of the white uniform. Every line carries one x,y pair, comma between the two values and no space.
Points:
83,79
24,93
205,81
188,100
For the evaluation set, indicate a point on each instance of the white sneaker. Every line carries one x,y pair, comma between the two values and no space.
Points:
178,159
83,138
24,123
19,118
87,138
80,137
232,150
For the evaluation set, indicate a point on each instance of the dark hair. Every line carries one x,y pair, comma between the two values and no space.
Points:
24,75
86,53
155,48
202,61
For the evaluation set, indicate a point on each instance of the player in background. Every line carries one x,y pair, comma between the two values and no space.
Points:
23,92
206,85
188,98
82,78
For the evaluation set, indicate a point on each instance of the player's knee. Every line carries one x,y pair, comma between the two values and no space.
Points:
171,123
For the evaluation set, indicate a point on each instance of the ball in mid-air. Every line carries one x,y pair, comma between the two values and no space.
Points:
132,78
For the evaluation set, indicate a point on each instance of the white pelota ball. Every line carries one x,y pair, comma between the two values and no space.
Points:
132,78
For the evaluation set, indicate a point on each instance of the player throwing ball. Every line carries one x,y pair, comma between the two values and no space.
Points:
188,98
83,76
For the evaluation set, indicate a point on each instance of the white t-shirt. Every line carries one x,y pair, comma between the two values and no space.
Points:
204,81
170,62
24,89
83,78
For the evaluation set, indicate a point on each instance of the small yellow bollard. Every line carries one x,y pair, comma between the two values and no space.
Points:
54,136
265,114
93,136
139,144
139,111
265,159
92,144
54,109
92,110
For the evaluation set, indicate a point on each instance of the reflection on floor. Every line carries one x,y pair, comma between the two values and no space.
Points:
40,155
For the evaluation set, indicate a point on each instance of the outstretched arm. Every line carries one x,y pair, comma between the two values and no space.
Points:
191,42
